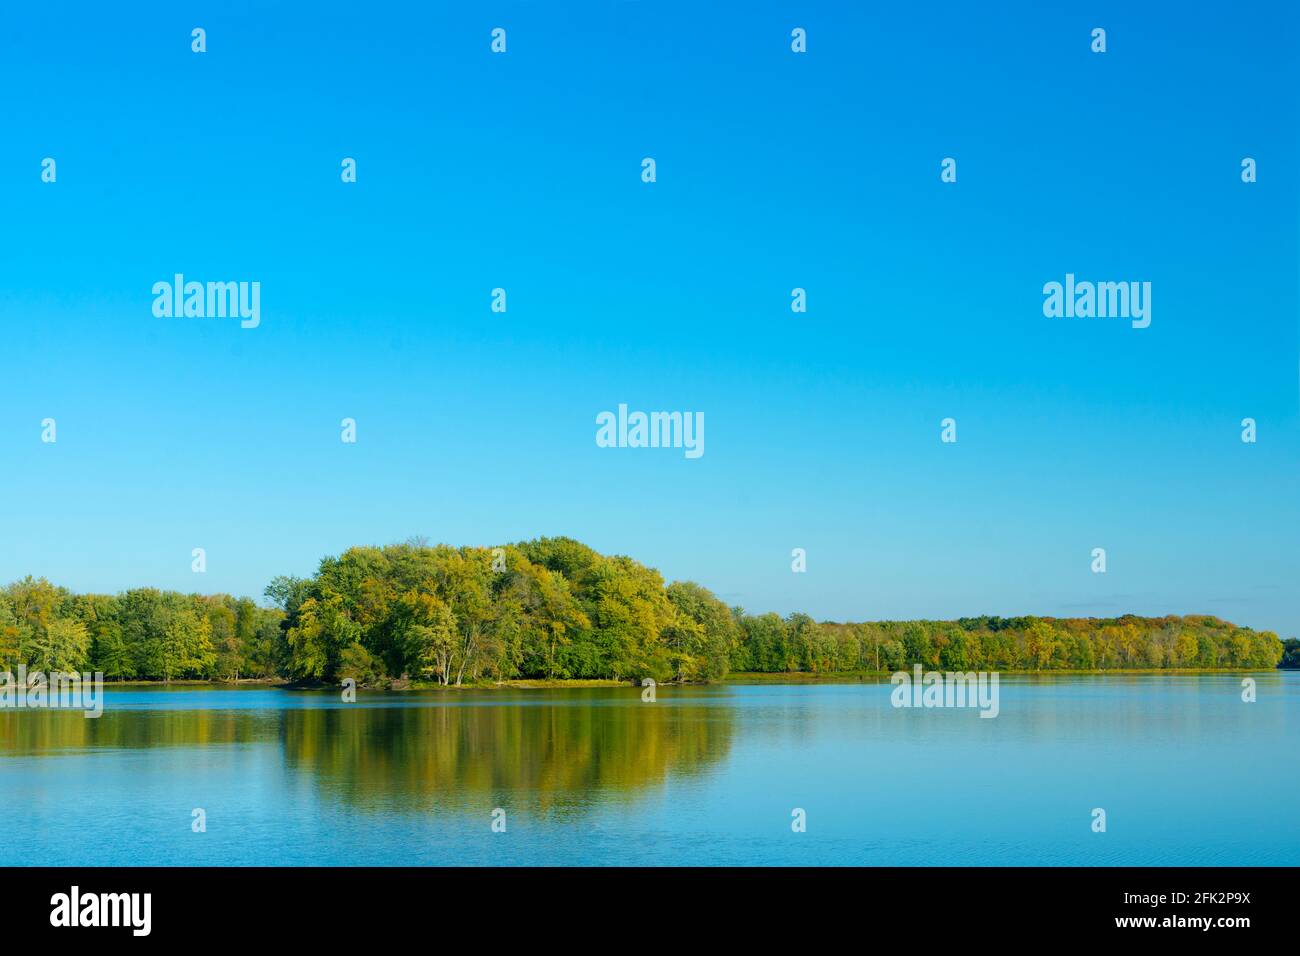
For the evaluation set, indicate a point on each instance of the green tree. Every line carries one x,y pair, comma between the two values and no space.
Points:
702,633
60,646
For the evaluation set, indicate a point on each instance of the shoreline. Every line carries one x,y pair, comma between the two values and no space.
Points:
833,677
739,677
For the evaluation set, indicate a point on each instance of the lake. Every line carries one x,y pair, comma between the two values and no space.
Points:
1187,773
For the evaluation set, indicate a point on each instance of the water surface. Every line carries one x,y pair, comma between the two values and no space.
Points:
1186,771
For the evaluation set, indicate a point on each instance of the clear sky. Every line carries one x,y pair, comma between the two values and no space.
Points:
775,170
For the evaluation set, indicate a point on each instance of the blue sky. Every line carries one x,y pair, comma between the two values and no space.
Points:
775,170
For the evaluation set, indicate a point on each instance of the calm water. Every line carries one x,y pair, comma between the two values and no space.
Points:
1187,774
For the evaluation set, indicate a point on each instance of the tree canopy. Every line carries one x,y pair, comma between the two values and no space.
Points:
551,608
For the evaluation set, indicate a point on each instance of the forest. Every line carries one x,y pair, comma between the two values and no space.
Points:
551,609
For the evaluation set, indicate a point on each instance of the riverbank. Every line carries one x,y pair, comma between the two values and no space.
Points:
852,677
739,677
518,684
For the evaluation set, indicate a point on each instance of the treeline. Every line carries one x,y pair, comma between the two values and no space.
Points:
143,634
552,608
797,643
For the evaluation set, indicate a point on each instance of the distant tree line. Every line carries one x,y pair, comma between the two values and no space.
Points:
552,608
797,643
